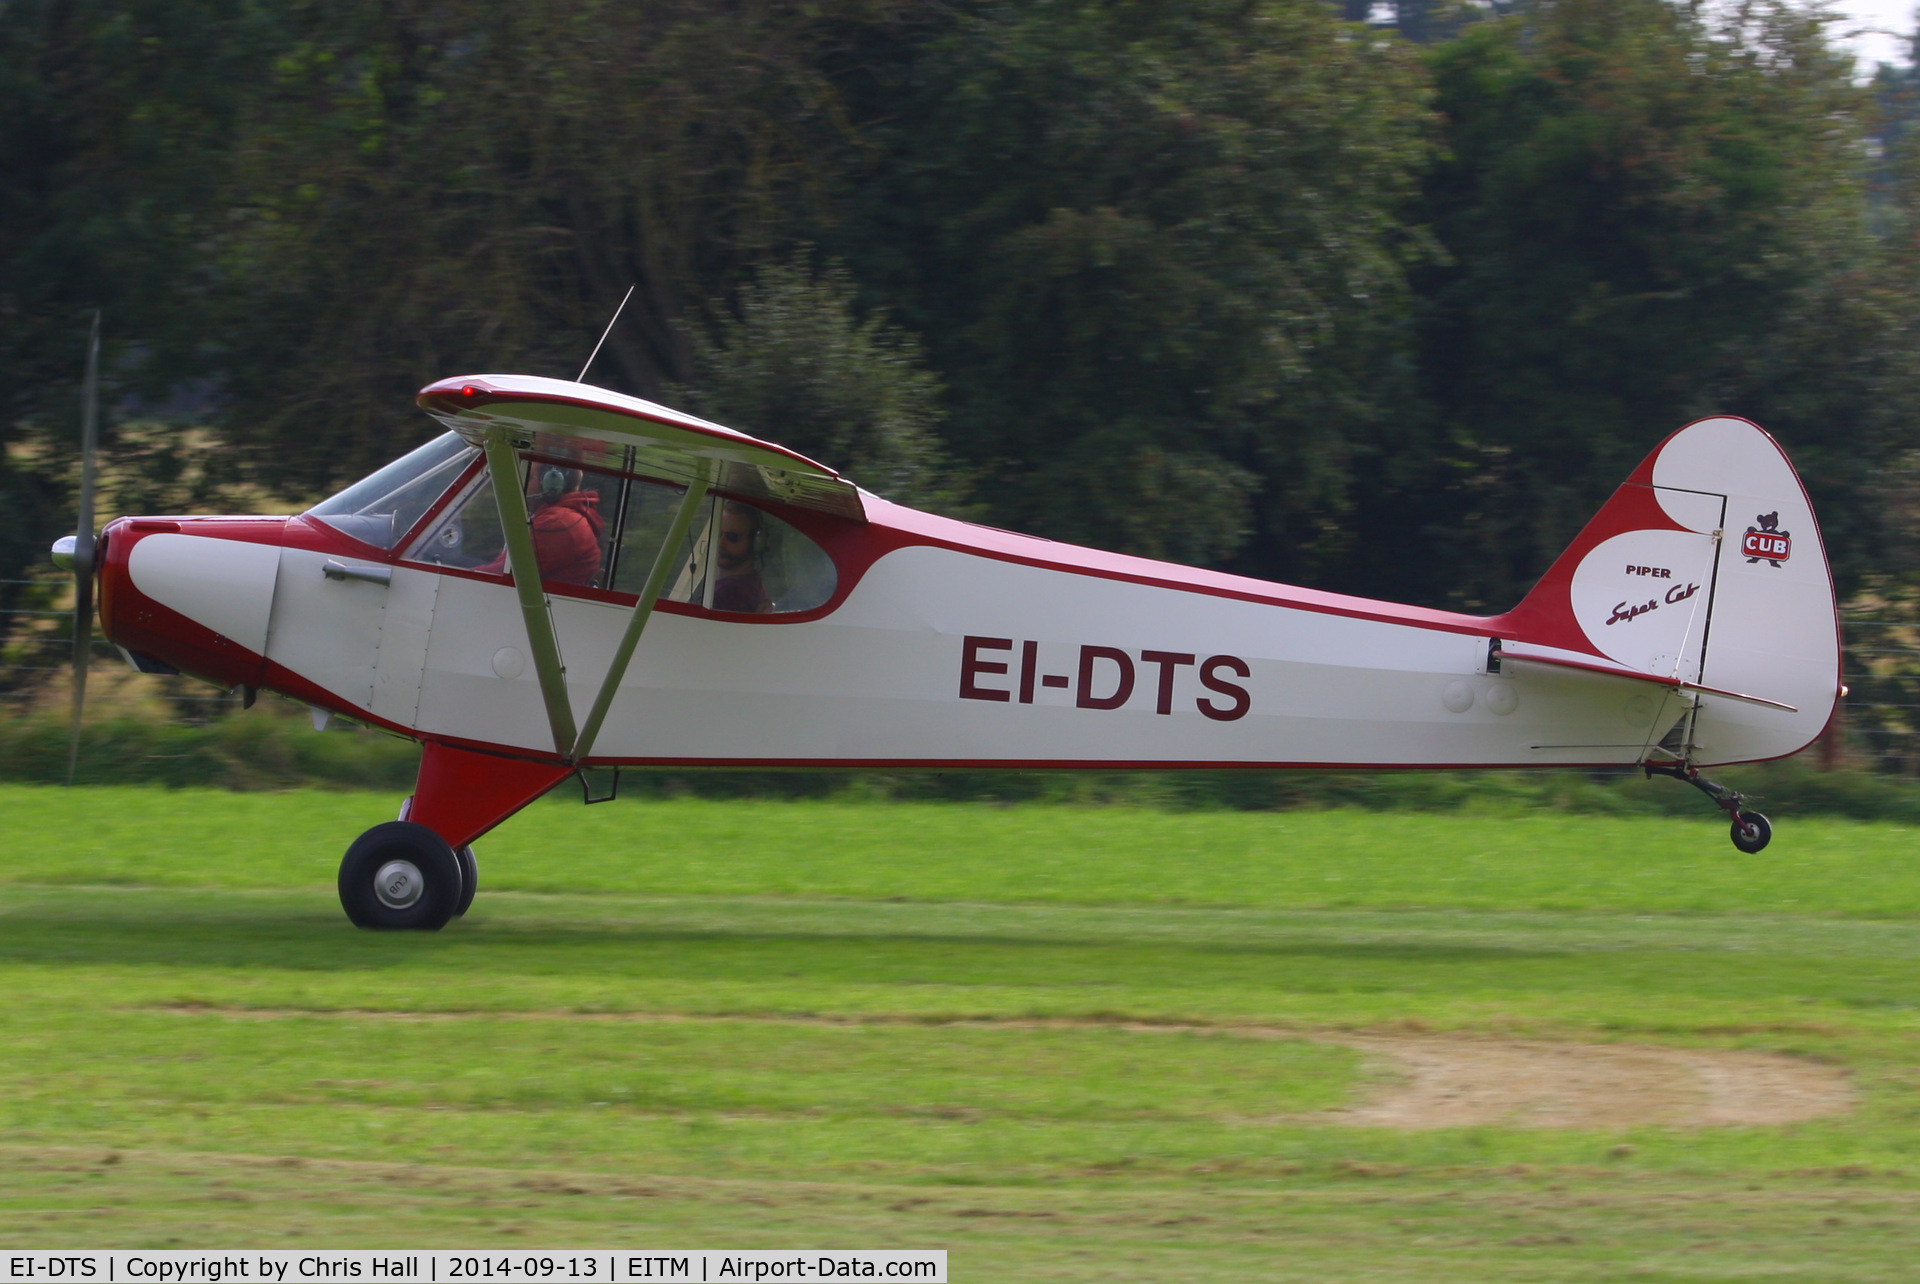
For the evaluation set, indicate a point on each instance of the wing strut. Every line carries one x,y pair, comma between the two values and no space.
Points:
504,467
663,564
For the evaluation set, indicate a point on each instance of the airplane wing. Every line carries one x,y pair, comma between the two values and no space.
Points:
559,417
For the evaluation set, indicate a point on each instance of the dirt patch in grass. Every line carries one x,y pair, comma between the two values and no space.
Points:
1423,1080
1438,1081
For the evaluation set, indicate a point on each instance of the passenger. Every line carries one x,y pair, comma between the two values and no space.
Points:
738,587
566,524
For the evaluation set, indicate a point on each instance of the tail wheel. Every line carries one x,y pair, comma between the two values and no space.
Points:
400,876
1751,831
469,879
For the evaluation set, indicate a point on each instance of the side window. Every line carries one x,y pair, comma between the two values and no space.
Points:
737,557
467,534
567,507
572,514
763,565
650,510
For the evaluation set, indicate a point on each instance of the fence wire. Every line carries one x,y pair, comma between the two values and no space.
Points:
36,647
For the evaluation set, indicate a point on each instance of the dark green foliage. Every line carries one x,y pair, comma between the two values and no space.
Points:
796,364
303,213
431,189
1156,253
109,141
1649,219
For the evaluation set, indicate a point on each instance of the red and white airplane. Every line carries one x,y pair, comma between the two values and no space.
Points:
705,598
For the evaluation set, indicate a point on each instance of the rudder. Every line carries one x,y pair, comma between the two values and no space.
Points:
1705,566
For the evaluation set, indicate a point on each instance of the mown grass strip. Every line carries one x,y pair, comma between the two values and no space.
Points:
1066,1040
980,852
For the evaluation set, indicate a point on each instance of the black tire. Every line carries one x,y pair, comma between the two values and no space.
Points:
469,879
1751,831
422,882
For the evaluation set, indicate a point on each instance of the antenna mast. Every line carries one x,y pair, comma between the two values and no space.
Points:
604,333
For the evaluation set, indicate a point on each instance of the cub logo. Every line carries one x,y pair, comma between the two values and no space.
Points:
1767,541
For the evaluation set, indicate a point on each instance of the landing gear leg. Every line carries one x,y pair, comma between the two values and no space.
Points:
1750,830
459,796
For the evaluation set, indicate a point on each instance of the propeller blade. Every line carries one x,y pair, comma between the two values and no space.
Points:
83,544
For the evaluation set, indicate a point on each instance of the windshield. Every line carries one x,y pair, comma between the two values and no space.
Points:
382,508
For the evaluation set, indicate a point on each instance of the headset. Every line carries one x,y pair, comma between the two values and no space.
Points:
756,525
553,483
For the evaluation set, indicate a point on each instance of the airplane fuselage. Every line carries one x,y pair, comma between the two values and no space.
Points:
1002,650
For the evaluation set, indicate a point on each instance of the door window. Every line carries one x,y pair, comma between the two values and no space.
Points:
467,534
572,510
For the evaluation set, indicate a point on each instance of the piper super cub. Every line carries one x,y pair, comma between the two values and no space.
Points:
574,578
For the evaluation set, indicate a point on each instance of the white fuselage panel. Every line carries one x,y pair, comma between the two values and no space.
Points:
893,676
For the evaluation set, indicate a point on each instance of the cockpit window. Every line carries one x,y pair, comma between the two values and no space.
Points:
737,557
382,508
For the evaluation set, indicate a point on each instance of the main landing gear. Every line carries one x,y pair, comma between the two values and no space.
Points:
401,876
407,875
1750,830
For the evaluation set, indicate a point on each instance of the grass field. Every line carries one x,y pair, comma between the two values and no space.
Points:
1063,1043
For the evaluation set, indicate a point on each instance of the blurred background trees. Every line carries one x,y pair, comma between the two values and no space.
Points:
1247,284
1157,252
793,355
1649,213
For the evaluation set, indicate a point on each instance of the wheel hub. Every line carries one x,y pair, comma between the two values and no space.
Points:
399,884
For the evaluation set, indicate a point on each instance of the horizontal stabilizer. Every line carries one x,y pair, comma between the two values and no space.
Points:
1527,655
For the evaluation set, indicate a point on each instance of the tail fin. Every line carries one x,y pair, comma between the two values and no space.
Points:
1705,567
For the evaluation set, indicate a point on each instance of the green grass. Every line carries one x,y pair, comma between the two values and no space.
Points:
1062,1042
1024,854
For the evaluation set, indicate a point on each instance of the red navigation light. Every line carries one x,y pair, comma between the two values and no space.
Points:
469,391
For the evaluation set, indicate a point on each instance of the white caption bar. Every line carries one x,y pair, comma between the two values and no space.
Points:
416,1266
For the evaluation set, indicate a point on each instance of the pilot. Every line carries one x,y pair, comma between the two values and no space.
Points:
738,586
566,523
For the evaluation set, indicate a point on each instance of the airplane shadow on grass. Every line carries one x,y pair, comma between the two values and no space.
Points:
289,933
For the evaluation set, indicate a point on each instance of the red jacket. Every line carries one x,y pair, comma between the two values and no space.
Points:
566,539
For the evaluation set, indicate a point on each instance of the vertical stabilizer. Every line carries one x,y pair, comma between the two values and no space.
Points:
1706,566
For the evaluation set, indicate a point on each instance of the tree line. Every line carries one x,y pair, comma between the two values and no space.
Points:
1245,283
